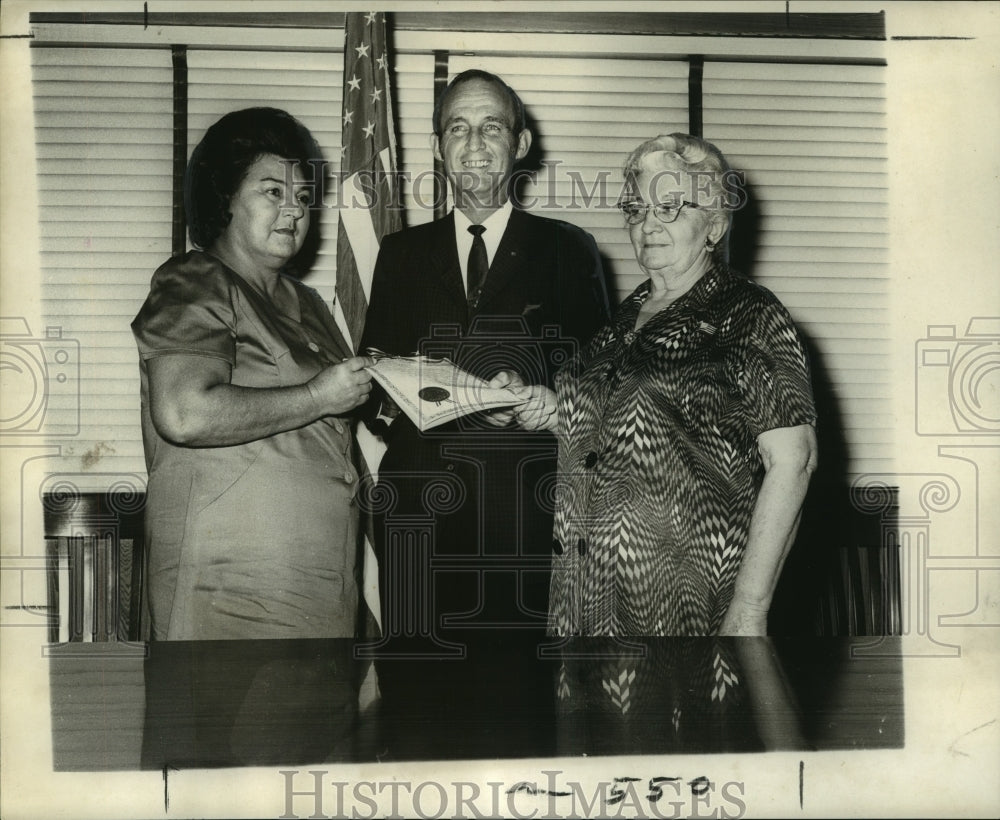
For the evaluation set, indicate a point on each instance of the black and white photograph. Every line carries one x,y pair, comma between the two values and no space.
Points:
499,409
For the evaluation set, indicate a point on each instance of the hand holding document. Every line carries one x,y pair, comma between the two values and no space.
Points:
435,391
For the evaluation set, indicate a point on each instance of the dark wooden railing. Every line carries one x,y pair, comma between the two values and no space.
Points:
842,578
96,568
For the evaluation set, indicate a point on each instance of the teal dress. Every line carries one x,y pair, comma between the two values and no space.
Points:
255,540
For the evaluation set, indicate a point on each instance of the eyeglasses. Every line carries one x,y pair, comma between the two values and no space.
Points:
635,212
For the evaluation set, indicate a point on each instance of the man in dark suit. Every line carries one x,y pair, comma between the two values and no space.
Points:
463,512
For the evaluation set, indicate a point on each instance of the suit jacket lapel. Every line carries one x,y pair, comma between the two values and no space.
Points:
442,258
506,262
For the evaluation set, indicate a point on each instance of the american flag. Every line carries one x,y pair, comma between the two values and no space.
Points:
367,165
368,210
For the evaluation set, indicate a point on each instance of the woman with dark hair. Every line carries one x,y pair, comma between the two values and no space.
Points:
251,523
686,426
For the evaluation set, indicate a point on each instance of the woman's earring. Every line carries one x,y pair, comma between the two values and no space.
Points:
709,245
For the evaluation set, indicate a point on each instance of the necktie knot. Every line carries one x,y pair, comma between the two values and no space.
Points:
477,230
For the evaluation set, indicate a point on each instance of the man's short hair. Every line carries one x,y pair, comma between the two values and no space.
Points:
477,74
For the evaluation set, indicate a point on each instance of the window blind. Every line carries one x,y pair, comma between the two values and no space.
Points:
809,138
103,131
811,141
413,93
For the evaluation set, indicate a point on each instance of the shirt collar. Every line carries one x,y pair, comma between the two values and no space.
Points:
495,221
495,224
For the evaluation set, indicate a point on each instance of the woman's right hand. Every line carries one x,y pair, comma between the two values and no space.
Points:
342,387
540,411
503,416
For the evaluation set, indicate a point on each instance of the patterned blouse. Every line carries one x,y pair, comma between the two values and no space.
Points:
659,467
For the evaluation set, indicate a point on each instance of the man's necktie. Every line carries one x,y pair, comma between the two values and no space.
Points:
479,265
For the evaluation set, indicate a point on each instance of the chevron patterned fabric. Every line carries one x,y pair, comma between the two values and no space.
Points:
659,467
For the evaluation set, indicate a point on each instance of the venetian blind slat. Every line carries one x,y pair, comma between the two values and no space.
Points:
414,95
103,126
811,142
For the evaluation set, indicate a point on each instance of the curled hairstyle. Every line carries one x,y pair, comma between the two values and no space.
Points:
219,164
704,162
477,74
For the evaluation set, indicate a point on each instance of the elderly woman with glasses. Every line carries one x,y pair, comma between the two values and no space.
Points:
686,426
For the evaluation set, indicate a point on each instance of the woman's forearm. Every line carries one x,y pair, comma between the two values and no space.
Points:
789,456
193,404
226,414
773,527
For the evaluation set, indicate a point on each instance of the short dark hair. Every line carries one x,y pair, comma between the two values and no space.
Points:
219,164
477,74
